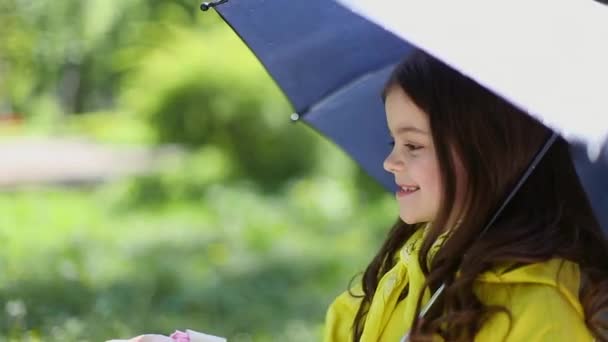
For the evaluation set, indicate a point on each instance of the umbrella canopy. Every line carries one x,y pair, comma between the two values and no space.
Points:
332,63
547,57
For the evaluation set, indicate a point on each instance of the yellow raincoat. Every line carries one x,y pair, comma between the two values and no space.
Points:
542,299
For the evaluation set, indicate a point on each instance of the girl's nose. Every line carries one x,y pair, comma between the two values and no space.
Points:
393,164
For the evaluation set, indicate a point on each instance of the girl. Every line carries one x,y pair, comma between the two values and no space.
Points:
539,273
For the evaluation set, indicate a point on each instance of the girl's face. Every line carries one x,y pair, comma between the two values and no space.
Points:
412,160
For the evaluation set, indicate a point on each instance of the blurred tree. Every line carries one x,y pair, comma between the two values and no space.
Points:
67,51
210,90
189,74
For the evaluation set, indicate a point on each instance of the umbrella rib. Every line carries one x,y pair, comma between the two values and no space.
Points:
354,82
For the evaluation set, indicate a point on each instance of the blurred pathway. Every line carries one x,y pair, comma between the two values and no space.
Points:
33,161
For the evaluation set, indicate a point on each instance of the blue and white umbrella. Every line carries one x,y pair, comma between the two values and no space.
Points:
549,58
331,60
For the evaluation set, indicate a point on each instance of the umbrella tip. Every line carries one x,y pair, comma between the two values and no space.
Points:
205,6
295,117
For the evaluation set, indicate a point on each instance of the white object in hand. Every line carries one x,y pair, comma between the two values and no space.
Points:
194,336
146,338
200,337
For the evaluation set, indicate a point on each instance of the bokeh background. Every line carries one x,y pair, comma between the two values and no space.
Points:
151,180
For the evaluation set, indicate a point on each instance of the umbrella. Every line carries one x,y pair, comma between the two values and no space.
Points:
331,63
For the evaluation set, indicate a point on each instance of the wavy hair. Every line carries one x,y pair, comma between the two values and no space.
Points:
549,217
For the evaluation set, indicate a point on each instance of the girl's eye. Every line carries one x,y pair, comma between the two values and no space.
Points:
412,147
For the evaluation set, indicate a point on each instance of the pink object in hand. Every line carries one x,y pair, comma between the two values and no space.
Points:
180,336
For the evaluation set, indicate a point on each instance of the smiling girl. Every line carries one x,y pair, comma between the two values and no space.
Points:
539,273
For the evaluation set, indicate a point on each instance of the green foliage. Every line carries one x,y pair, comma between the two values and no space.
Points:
78,265
187,180
249,235
185,72
76,53
215,92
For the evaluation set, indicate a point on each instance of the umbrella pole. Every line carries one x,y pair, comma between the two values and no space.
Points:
539,156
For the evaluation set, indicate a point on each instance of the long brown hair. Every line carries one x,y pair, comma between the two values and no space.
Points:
550,216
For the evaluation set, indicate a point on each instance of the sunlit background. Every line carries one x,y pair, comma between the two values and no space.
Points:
151,180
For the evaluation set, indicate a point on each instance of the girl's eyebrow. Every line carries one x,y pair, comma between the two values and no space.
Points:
406,129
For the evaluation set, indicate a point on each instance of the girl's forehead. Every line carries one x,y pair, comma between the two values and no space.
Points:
402,112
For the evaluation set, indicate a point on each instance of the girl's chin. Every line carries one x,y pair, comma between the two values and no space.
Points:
408,220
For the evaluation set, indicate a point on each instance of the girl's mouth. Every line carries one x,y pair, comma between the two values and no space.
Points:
406,190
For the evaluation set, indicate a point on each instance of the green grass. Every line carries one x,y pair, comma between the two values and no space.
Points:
178,250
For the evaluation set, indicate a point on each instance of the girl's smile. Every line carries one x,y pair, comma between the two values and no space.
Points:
406,190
